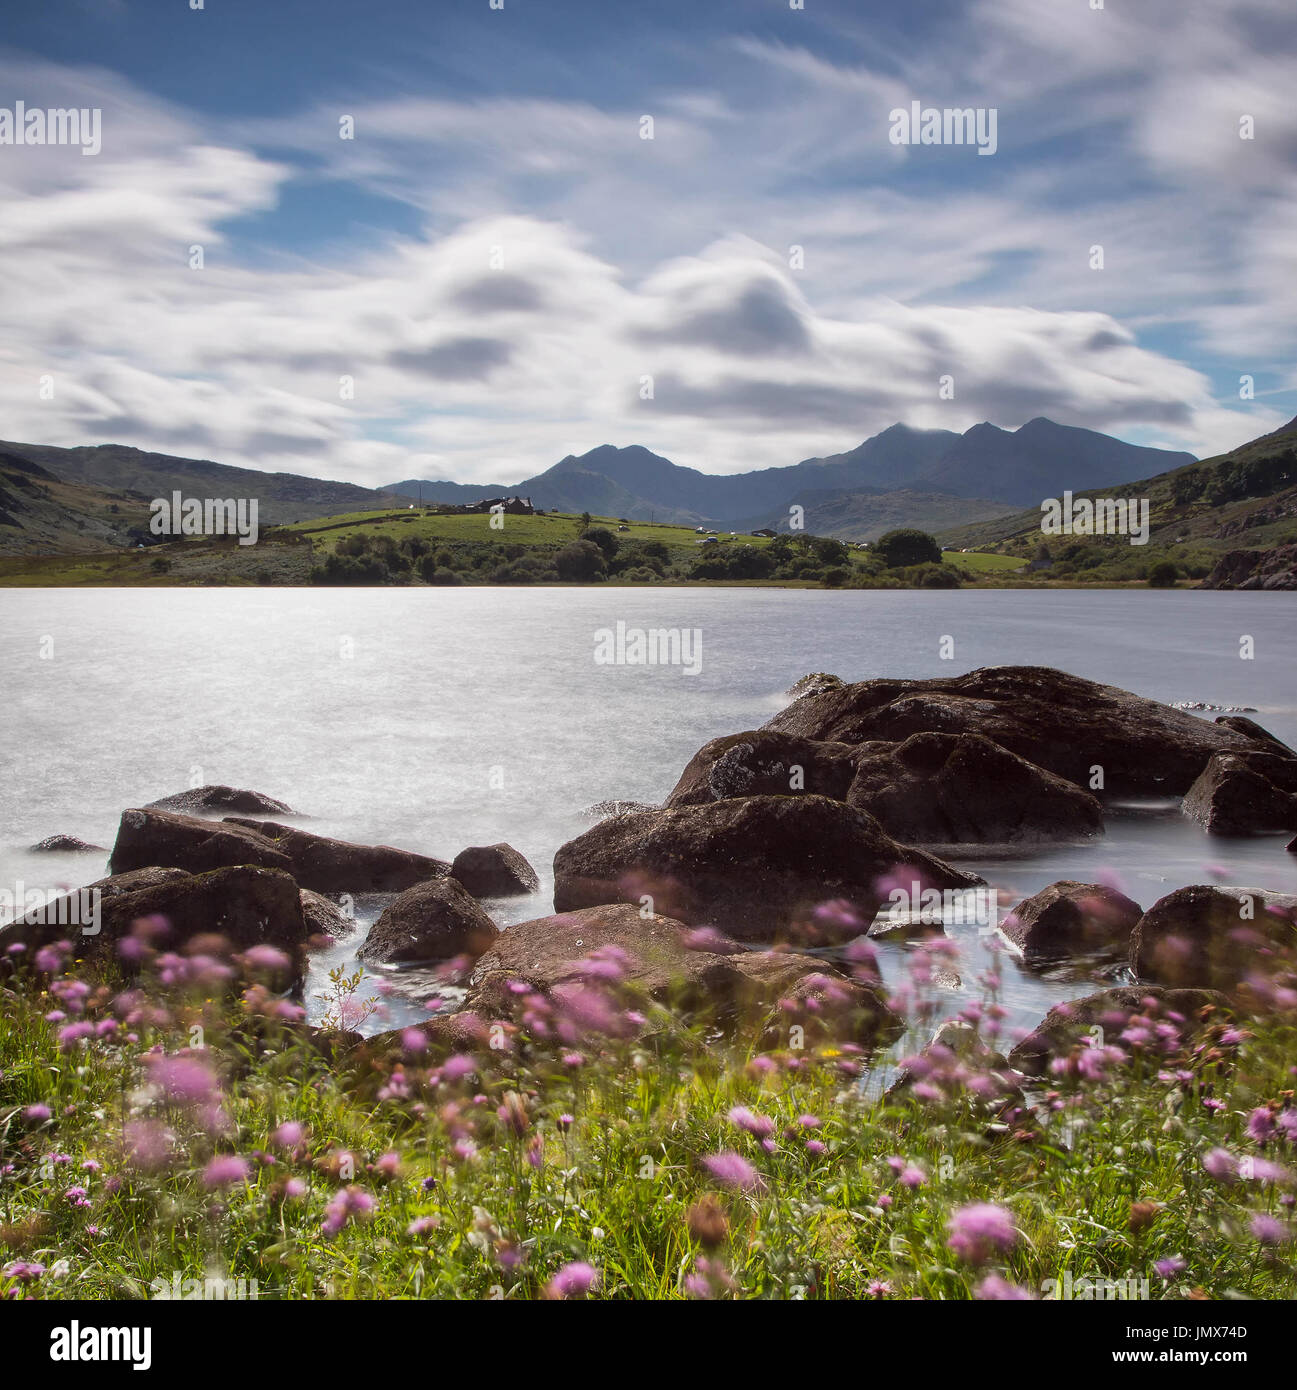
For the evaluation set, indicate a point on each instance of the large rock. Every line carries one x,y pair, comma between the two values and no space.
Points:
495,871
244,905
166,839
962,788
776,989
337,866
1101,1019
758,867
1275,568
759,763
432,921
1060,722
219,801
1251,791
1216,938
1070,919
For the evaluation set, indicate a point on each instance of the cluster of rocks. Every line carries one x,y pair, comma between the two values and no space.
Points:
251,882
1008,754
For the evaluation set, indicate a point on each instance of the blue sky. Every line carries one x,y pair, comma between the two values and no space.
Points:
498,269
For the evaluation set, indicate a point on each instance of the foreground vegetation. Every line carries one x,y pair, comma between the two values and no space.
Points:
151,1134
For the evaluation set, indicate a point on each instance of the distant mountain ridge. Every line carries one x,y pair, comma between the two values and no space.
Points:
933,479
987,467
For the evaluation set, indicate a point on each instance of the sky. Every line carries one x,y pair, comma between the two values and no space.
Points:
498,267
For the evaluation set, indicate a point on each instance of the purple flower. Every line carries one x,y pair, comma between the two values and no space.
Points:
1261,1124
758,1125
225,1170
978,1231
1220,1164
1171,1266
733,1170
574,1280
1267,1230
994,1289
289,1135
37,1114
184,1080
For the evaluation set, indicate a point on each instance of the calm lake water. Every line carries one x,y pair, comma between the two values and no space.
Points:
437,718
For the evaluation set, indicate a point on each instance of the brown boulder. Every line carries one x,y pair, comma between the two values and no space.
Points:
757,867
166,839
759,763
964,789
1101,1018
1072,919
495,871
1060,722
777,989
1251,791
244,905
337,866
1215,938
432,921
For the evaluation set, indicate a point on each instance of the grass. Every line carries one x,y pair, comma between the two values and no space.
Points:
408,1178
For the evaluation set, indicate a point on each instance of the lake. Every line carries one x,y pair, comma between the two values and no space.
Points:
436,718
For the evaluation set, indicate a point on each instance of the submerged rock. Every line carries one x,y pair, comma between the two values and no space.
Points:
433,921
1070,919
758,867
495,871
64,844
218,800
1062,723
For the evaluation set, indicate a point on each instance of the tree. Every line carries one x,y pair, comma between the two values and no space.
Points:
830,552
585,520
907,546
1163,575
603,538
580,562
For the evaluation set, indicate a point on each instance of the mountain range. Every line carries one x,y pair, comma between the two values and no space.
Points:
56,499
903,476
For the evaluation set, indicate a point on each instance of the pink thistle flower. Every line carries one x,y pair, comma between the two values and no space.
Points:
1171,1266
733,1170
1267,1230
759,1126
980,1230
574,1280
994,1289
225,1170
37,1114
